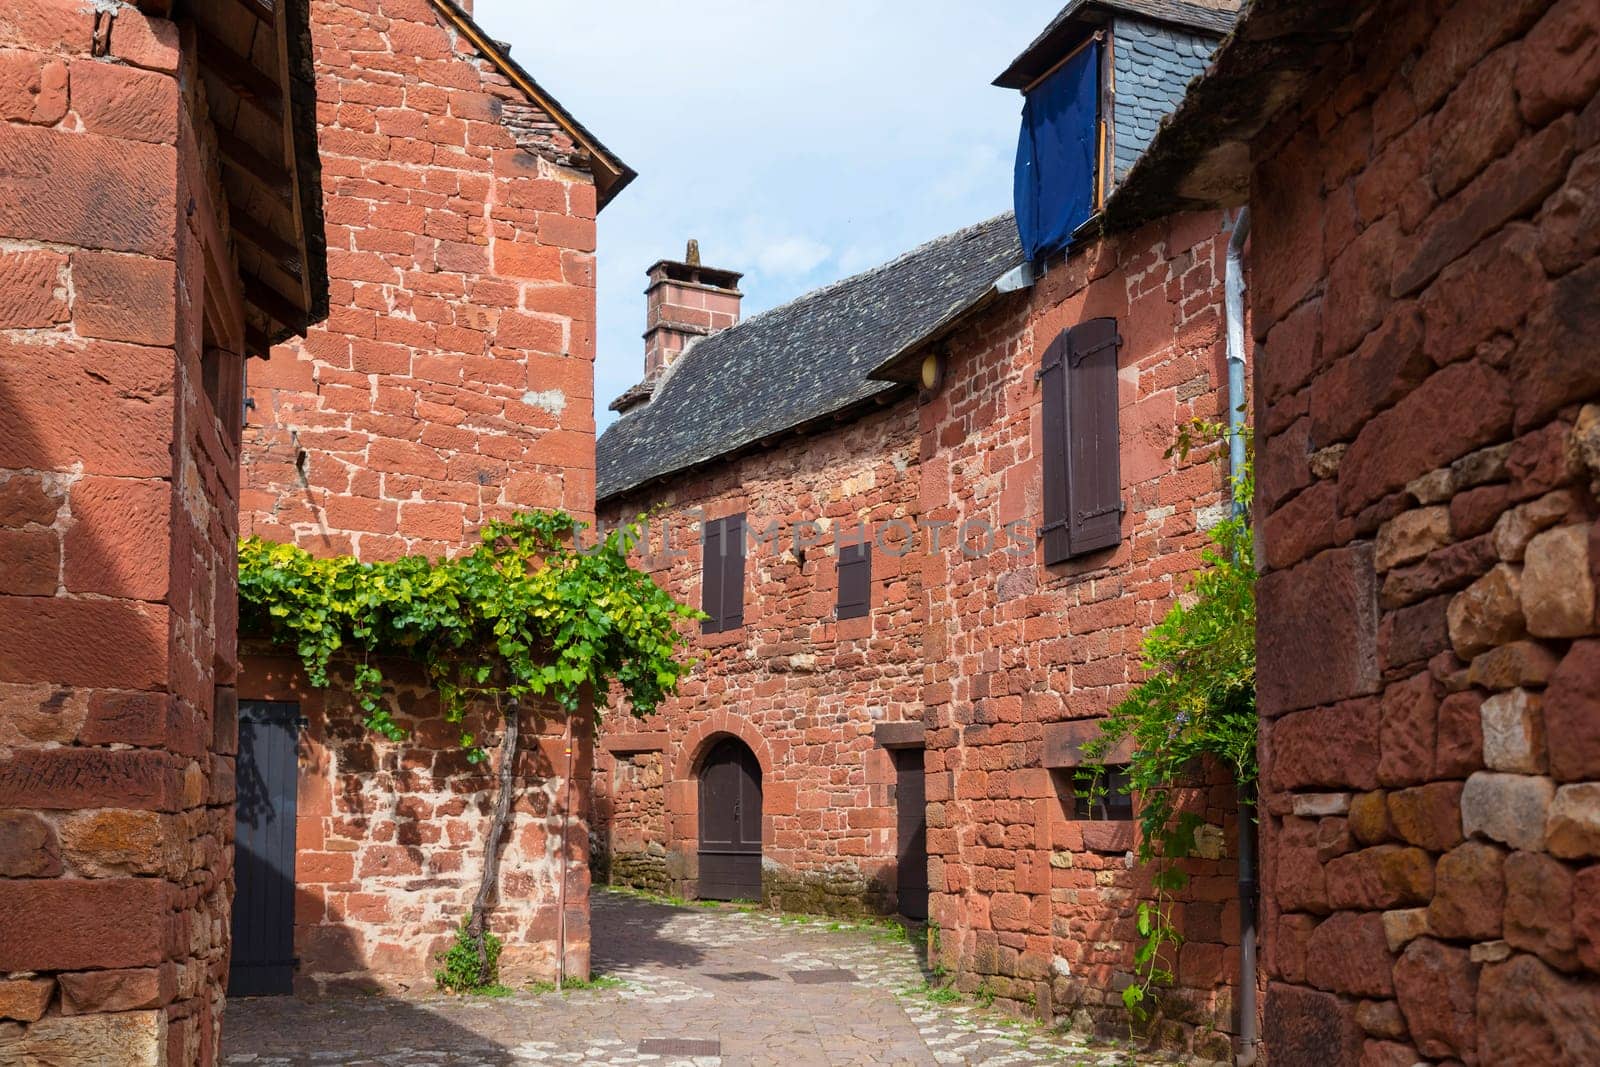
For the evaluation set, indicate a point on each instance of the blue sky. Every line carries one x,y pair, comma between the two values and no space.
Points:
798,142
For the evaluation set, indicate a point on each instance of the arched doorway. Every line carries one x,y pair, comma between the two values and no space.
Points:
730,823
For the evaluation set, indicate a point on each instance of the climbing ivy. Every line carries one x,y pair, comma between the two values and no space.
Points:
1196,707
525,613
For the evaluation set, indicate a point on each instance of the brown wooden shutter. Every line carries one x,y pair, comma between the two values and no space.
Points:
855,580
733,572
711,571
1052,376
1094,470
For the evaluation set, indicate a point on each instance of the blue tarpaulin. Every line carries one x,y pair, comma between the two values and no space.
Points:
1056,153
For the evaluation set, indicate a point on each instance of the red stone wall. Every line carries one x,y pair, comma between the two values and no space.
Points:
1425,261
451,383
1032,903
802,688
118,514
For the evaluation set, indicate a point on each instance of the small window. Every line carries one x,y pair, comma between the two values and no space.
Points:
722,574
855,580
1110,799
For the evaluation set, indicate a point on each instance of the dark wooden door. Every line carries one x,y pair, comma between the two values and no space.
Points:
911,823
263,859
730,824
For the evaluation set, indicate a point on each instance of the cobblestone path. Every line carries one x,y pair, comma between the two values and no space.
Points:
714,975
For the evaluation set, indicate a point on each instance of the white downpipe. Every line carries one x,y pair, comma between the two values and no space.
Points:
1233,297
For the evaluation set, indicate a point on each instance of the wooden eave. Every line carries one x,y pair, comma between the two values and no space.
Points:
256,68
611,174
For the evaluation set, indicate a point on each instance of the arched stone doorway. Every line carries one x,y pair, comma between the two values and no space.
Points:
730,822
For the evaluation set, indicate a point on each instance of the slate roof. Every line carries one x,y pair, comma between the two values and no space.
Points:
1216,19
809,358
1154,65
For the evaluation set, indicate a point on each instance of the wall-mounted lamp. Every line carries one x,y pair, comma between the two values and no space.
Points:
932,374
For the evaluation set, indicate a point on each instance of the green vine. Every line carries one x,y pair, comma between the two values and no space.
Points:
1196,707
525,613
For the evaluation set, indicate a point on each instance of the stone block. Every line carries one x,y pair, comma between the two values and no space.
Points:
1323,748
82,923
1460,735
1403,926
1488,612
129,1039
1557,584
28,846
1531,1014
25,999
1385,876
1349,953
1411,535
1513,732
1571,725
1469,893
1521,663
1539,908
1518,526
1307,1026
118,990
1573,829
1427,815
1511,808
1323,611
1408,726
1437,988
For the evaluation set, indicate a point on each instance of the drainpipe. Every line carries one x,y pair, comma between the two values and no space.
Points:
1233,297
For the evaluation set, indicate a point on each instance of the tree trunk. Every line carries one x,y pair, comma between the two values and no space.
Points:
497,828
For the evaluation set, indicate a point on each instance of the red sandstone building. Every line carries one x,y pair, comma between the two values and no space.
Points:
895,726
451,383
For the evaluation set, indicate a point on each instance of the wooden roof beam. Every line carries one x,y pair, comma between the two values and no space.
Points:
270,178
241,75
261,9
269,301
263,240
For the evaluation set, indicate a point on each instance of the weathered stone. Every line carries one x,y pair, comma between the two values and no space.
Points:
1553,364
72,924
114,841
1558,65
1586,915
1570,722
1428,815
25,999
1339,631
1301,880
1557,586
1325,461
1530,1014
1407,729
1460,735
121,990
1586,431
134,1038
1488,612
1519,525
1349,953
1305,1026
1288,948
1384,876
1513,732
1445,569
1435,487
1507,807
1469,893
1314,805
1573,830
1369,818
1539,908
1437,988
1402,927
1381,1018
1480,467
1518,664
1490,951
28,846
1323,748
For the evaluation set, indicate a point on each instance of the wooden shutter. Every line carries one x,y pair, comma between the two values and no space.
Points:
855,580
1052,377
1082,465
711,576
733,572
1094,469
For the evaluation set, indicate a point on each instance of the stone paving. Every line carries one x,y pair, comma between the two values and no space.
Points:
717,975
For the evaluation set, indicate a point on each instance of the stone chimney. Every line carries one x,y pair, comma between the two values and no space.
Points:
683,303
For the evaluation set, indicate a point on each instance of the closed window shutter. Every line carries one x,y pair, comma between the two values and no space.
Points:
1052,377
1094,471
855,580
733,572
711,572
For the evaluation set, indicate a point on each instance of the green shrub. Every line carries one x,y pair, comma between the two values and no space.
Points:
460,971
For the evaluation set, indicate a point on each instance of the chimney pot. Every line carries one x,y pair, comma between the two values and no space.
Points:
685,301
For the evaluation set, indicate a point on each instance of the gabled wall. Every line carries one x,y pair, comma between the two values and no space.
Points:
452,383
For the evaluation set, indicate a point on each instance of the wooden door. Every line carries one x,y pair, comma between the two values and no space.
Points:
911,823
730,824
263,865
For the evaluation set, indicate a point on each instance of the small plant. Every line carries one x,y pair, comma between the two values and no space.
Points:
1196,707
462,971
578,985
984,996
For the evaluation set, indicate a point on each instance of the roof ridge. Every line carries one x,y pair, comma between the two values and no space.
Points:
942,239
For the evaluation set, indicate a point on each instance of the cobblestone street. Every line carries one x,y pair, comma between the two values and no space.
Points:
688,974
